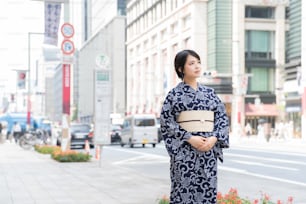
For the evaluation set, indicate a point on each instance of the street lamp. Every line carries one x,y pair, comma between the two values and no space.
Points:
29,77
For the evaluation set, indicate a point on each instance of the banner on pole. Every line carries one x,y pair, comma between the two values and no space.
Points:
21,79
52,19
66,89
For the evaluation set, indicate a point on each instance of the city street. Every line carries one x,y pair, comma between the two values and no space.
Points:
256,171
251,170
141,175
98,72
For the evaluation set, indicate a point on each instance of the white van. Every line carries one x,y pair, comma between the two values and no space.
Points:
139,129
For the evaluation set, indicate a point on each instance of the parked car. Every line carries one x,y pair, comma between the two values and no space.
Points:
139,129
80,132
115,134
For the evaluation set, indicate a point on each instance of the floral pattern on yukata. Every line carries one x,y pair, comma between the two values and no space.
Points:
193,173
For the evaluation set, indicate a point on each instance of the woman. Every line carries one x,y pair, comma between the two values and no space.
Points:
193,155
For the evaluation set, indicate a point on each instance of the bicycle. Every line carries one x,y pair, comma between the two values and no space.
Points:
28,140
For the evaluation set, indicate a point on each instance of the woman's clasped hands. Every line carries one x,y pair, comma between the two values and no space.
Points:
202,144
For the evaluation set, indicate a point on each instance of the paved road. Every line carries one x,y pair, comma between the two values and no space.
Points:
276,168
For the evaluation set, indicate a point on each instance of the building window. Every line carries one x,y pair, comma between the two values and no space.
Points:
131,52
145,45
187,43
174,28
163,34
121,7
259,44
186,22
153,40
259,12
262,80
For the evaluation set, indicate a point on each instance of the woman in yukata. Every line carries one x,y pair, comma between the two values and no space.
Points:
193,155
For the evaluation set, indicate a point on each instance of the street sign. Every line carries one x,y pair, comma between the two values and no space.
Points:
67,30
103,106
67,47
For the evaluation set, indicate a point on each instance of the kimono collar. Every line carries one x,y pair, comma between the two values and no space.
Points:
186,87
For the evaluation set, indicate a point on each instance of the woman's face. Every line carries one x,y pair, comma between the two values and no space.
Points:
192,68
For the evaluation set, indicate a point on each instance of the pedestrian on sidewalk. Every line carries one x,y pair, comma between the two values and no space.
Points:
1,135
260,133
248,129
16,131
193,154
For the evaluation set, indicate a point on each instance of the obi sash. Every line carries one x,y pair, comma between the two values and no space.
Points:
196,120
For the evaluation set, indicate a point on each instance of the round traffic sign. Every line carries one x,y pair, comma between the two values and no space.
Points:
22,75
67,47
67,30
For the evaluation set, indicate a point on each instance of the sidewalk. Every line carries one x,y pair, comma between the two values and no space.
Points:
27,177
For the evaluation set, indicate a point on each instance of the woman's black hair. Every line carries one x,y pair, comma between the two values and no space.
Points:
180,60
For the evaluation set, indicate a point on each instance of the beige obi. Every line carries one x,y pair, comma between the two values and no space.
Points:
196,120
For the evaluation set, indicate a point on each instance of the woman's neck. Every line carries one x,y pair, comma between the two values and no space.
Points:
191,82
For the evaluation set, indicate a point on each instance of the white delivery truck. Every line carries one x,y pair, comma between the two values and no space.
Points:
139,129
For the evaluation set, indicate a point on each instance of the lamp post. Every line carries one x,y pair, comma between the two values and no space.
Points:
29,77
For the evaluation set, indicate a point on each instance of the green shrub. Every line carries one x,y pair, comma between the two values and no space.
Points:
46,149
164,200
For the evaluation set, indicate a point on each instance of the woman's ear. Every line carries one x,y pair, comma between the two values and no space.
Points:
181,70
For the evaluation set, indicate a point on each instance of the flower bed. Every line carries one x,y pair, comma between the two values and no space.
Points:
63,156
70,156
232,197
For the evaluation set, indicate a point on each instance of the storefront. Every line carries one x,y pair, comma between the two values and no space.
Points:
262,113
294,115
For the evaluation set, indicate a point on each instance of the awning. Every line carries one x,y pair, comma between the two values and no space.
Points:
261,110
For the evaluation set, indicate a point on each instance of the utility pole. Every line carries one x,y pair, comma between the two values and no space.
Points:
29,78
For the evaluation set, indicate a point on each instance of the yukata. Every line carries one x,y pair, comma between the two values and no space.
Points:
193,173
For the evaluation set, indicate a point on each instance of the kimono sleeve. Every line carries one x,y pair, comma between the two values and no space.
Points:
174,136
221,126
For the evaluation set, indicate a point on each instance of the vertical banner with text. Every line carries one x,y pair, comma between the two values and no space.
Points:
52,19
66,89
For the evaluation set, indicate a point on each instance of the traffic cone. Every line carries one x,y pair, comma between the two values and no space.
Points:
87,148
97,152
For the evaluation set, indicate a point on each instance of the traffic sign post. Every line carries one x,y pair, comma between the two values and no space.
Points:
68,49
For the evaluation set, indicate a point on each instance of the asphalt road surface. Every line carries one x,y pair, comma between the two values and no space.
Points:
253,172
